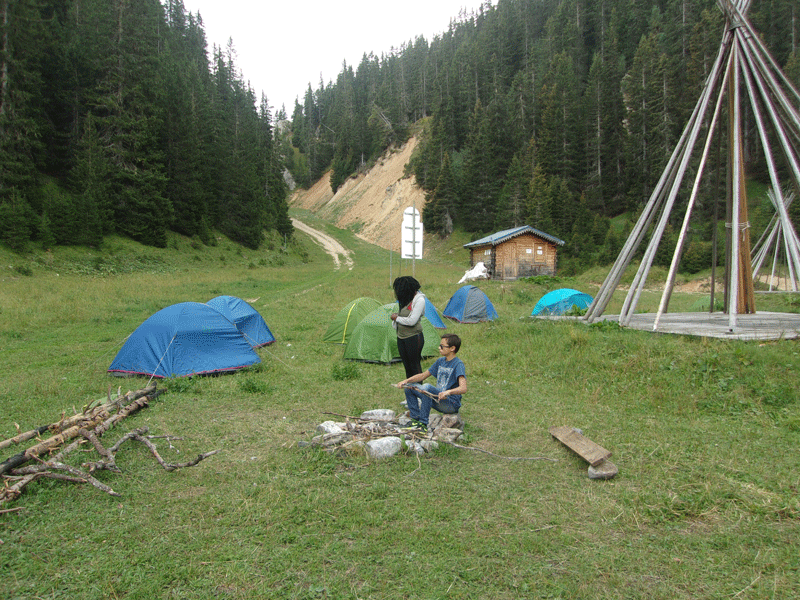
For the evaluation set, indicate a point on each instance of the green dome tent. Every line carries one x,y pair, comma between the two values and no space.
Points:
346,319
375,340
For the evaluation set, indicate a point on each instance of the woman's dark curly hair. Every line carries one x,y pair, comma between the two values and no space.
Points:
404,289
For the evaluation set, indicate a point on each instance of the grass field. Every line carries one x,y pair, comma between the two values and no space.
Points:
705,434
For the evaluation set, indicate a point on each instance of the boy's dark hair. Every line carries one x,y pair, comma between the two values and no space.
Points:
452,340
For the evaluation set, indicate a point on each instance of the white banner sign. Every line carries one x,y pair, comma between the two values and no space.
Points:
411,234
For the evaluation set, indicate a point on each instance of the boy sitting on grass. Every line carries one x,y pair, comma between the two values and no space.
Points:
451,383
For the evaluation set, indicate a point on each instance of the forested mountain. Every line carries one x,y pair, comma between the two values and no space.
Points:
114,118
559,114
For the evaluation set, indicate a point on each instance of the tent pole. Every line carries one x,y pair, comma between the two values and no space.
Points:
673,269
736,156
774,262
612,280
676,180
780,204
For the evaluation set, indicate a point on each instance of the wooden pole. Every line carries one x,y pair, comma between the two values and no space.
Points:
673,269
605,293
736,188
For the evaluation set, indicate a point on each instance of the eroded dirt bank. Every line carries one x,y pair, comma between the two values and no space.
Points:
372,203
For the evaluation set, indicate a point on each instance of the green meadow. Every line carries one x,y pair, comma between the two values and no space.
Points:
705,434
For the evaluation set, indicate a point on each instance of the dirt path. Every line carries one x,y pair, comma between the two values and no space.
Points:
330,245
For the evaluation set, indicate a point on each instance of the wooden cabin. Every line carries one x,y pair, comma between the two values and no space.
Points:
514,253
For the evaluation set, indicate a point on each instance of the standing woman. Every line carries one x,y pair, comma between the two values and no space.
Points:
410,340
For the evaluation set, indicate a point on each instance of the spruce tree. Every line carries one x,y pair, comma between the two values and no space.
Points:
558,140
441,202
185,109
126,118
21,33
511,205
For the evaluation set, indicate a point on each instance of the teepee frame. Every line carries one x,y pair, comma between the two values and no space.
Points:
743,67
770,245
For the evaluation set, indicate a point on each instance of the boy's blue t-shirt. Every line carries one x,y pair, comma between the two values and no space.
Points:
447,374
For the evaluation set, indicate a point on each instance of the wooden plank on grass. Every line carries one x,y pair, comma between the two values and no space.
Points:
583,447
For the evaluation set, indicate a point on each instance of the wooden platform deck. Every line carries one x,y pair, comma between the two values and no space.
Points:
759,326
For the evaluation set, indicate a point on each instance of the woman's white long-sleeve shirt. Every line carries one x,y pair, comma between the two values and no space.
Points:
417,310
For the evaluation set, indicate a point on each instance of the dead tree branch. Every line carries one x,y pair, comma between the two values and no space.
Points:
172,466
497,455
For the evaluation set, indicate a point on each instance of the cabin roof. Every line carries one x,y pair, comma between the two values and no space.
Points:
507,234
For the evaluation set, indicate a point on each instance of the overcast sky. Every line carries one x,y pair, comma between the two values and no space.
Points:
283,46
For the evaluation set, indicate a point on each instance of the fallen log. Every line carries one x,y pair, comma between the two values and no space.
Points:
99,419
88,412
89,425
24,437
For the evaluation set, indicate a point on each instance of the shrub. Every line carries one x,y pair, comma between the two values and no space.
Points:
24,270
345,371
253,386
542,280
696,257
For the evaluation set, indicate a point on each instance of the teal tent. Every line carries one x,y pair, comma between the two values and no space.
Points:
561,301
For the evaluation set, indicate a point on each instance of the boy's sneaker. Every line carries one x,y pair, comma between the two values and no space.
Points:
416,425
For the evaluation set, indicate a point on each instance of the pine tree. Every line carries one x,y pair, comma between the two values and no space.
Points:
15,215
272,176
441,202
539,210
21,33
475,211
125,117
185,110
511,205
558,139
603,109
650,117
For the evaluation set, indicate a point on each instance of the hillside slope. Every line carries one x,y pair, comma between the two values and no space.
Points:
370,204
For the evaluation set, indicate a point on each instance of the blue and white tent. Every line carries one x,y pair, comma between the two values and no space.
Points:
246,318
431,313
189,338
561,301
470,305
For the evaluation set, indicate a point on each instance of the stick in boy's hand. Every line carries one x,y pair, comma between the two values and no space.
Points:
408,385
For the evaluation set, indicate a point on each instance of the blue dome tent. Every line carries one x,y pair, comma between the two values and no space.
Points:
560,301
189,338
245,317
470,305
432,314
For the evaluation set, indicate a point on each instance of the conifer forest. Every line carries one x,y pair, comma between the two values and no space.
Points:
115,117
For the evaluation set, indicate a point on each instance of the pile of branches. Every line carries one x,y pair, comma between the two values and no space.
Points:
46,457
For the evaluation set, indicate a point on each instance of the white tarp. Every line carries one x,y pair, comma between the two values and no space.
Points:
479,271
